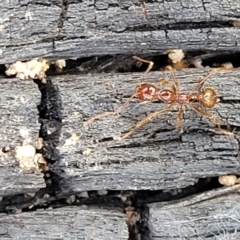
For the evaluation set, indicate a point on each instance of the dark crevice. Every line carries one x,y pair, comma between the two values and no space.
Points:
60,22
222,57
63,14
27,202
180,26
25,44
143,198
2,69
107,139
136,201
47,3
148,143
125,63
50,117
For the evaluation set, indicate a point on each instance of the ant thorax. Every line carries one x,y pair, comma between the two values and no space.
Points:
146,92
183,98
167,96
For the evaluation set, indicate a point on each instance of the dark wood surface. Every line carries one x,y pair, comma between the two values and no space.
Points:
65,223
75,29
157,156
19,122
206,216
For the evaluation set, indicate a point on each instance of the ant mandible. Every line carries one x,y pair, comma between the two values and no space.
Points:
149,92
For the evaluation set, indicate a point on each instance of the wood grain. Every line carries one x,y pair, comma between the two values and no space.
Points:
19,122
157,156
206,218
75,29
65,223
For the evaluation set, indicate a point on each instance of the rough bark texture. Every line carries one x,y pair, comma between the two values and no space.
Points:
157,156
19,122
75,29
65,223
205,218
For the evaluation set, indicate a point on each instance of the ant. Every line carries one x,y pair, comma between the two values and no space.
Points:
149,92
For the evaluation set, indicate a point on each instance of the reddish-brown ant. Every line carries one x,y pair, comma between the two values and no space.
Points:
207,97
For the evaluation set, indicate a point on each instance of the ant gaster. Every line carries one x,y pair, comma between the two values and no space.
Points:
149,92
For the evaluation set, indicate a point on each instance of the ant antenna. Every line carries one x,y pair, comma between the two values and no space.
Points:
202,81
150,64
176,83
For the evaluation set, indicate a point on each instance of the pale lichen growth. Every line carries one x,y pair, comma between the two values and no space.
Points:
175,55
86,152
59,64
83,195
33,69
72,140
197,63
102,192
228,180
24,133
28,159
227,65
175,58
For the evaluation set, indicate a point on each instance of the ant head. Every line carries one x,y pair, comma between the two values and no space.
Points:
146,92
167,96
207,97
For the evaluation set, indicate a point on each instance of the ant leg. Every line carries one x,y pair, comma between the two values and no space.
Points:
166,82
180,112
150,101
200,83
144,121
176,83
150,64
106,114
212,117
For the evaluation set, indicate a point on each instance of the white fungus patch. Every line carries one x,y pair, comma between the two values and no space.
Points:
28,159
228,180
33,69
176,55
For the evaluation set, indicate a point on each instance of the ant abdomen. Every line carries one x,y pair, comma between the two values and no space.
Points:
146,92
208,97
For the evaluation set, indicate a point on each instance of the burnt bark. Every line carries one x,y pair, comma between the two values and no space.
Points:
157,156
65,223
207,216
76,29
19,123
